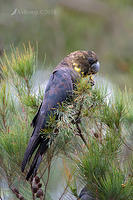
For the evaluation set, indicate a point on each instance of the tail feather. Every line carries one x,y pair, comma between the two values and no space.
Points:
32,145
34,166
38,158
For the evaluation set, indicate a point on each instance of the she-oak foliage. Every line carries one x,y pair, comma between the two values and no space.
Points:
91,133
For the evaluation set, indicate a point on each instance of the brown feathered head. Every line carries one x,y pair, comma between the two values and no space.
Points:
84,62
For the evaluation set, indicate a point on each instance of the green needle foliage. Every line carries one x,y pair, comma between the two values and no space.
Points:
92,134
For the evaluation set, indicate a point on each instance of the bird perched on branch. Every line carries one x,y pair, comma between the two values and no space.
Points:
61,83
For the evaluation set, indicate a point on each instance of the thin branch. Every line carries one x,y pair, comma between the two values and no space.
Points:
33,195
77,121
68,182
65,189
27,85
49,167
16,192
45,169
126,144
81,135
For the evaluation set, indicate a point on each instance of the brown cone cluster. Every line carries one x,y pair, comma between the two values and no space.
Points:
36,187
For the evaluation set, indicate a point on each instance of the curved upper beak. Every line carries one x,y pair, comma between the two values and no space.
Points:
95,67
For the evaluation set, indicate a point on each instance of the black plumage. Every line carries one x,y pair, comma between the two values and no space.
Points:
60,85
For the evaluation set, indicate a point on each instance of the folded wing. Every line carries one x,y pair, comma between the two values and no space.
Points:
59,87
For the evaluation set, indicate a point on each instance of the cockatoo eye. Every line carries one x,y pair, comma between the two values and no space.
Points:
91,61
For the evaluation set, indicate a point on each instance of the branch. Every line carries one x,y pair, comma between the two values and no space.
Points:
77,121
16,192
65,189
27,84
49,165
126,144
80,134
33,195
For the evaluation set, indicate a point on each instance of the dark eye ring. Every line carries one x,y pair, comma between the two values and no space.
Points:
91,61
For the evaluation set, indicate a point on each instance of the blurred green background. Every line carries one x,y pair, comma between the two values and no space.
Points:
59,27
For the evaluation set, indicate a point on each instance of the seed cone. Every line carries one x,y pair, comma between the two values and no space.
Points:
39,193
39,185
37,179
34,188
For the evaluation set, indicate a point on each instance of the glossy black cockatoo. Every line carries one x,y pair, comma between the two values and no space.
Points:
61,83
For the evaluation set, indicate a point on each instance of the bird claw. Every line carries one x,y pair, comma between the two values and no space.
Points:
91,81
